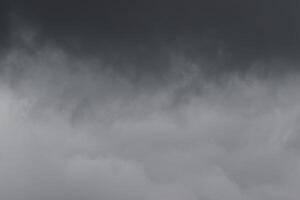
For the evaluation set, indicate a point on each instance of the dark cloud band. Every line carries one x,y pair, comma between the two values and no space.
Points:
137,30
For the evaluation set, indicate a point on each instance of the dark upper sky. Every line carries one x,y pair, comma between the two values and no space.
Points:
243,29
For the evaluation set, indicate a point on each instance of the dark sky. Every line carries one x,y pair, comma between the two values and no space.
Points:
149,100
138,30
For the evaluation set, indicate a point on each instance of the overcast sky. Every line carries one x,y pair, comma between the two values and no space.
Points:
149,100
139,31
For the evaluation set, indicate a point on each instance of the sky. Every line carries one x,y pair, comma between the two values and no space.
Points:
149,100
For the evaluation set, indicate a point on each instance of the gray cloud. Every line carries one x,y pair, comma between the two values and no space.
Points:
70,130
139,34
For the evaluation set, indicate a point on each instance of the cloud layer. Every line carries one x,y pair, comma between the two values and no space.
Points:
135,30
149,100
69,131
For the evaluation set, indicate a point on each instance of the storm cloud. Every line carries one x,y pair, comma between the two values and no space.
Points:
149,100
233,32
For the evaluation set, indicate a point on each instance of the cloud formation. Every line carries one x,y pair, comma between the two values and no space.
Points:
72,131
149,100
137,31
